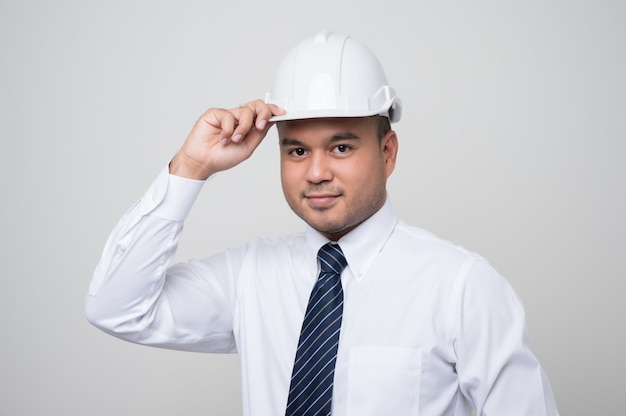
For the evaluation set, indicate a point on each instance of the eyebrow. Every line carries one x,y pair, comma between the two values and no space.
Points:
289,141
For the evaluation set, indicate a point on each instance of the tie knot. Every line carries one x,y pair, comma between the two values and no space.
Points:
331,258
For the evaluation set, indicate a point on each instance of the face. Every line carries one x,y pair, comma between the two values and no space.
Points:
334,171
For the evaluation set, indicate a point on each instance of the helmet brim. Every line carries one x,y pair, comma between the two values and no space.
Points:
392,109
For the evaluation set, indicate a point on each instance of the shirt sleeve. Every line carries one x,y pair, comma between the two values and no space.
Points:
497,371
136,295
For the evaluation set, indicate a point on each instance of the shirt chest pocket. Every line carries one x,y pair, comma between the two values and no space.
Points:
384,381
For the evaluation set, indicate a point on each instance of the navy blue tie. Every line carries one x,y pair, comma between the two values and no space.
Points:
311,387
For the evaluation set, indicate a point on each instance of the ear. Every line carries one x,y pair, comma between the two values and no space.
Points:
389,148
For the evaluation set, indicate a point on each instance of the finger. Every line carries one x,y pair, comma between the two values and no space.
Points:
227,128
276,110
263,112
223,121
245,123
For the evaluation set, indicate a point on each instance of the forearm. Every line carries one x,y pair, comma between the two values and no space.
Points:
130,295
134,294
127,285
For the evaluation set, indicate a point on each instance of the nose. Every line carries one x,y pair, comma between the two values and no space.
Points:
319,169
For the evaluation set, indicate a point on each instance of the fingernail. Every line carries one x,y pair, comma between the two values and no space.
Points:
224,140
237,138
261,124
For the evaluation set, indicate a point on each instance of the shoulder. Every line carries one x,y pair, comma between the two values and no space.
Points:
426,243
458,265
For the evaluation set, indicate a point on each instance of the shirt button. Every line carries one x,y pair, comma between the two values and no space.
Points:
154,196
359,273
122,247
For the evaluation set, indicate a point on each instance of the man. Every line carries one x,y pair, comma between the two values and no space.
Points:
399,322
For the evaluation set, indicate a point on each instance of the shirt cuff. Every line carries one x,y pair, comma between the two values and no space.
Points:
177,199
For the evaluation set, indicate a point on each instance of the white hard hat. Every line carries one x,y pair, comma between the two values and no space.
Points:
332,75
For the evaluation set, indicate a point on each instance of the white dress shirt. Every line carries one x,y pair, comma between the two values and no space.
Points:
429,328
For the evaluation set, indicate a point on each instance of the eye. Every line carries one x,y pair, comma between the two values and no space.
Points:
297,152
341,148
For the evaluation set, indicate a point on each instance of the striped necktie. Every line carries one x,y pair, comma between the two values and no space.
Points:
311,387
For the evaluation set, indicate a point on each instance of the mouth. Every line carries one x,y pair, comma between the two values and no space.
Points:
321,200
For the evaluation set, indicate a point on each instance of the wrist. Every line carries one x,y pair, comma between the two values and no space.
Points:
181,166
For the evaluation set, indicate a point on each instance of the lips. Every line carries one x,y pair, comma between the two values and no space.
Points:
321,200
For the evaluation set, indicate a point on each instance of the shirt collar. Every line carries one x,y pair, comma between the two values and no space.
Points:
361,245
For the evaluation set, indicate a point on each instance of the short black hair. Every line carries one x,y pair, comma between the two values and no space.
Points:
383,126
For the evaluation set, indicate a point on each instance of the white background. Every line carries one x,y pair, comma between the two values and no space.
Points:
512,144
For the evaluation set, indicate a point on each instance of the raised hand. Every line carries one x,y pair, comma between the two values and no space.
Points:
223,138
